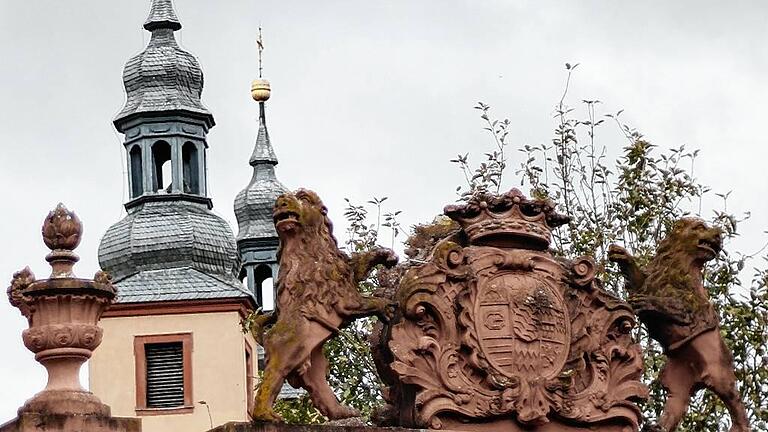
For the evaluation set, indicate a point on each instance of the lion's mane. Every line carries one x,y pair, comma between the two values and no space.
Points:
317,271
669,272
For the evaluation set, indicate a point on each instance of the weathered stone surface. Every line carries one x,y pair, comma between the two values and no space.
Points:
669,297
63,312
43,422
279,427
494,332
317,295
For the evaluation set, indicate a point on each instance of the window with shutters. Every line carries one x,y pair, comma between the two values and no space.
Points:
163,373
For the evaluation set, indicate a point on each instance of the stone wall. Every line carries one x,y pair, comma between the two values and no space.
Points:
275,427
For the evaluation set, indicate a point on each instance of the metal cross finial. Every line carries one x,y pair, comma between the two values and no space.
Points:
260,45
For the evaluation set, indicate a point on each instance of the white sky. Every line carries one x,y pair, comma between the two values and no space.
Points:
369,99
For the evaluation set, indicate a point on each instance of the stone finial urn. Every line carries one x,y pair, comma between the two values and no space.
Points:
63,312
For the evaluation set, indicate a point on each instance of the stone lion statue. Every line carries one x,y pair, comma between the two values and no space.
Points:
669,297
317,294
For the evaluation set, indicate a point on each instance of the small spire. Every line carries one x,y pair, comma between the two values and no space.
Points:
260,92
162,15
263,153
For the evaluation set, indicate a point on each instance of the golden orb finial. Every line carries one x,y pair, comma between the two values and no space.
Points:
260,90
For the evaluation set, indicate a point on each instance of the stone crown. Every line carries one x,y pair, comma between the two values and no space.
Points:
508,219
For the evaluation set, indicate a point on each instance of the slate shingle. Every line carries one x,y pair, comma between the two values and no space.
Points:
254,204
177,242
163,77
179,283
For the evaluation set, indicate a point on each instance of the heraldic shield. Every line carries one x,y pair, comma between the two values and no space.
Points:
494,333
522,325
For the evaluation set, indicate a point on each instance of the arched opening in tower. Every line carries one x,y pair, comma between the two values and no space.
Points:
263,285
267,294
161,159
191,168
137,172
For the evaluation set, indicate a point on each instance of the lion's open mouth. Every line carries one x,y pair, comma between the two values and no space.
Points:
710,245
285,217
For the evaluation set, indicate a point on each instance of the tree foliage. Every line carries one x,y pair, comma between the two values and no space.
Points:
634,200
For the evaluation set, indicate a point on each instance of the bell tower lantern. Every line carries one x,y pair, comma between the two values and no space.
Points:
165,124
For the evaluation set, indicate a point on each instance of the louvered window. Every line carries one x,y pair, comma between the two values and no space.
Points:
165,374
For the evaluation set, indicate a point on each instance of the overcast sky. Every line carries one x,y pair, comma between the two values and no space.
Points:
370,98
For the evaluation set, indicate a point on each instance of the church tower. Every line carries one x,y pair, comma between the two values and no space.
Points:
257,240
173,352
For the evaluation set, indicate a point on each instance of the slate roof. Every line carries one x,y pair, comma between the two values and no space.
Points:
263,151
163,77
171,250
180,283
254,204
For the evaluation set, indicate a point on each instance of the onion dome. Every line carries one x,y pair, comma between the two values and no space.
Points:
163,77
171,251
253,205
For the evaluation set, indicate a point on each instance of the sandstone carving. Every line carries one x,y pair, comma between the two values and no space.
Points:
669,297
317,294
62,312
62,229
494,333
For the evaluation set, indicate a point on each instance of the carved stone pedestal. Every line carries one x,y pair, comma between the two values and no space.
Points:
63,312
42,422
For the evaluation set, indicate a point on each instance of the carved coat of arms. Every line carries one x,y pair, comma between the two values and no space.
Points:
496,333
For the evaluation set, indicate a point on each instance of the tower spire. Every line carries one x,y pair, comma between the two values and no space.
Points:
257,240
169,225
260,92
162,78
164,121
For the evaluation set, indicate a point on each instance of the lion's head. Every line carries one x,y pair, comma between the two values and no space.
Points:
693,239
309,252
299,213
676,269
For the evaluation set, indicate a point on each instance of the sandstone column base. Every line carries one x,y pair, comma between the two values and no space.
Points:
40,422
65,402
